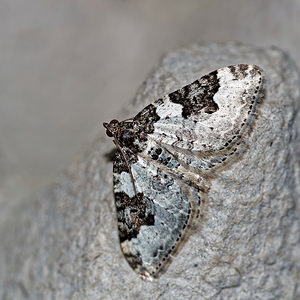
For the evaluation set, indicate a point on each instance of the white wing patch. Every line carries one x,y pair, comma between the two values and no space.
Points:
236,100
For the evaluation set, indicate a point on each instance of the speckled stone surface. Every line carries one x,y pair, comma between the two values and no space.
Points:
247,245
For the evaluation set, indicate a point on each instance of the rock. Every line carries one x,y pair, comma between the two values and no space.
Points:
248,243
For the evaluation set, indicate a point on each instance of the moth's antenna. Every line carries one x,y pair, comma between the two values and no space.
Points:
127,163
129,119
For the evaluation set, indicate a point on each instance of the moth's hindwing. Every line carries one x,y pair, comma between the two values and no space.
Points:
154,220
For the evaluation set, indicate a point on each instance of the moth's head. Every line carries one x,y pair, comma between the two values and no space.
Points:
112,128
122,132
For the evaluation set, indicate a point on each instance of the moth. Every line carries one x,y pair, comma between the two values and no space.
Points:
166,155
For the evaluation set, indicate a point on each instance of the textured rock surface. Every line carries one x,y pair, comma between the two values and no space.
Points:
248,244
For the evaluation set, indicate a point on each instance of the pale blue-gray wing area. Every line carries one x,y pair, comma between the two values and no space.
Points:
153,218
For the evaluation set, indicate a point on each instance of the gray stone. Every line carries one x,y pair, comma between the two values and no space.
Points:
248,243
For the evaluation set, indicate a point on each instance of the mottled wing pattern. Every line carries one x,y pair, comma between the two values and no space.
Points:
202,124
168,152
152,221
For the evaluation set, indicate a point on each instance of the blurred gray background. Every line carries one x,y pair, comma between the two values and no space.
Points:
67,66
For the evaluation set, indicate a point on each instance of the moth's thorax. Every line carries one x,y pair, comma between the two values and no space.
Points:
127,134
